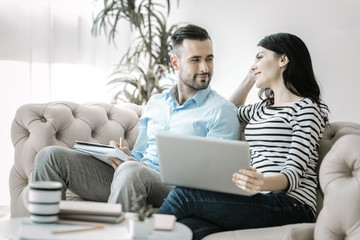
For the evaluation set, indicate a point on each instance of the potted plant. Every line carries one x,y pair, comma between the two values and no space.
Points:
142,224
145,69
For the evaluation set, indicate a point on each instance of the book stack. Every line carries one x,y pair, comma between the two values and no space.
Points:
91,211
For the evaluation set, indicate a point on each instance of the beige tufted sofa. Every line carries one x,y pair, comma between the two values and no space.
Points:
36,126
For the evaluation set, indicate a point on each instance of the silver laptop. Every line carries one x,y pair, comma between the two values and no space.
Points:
201,163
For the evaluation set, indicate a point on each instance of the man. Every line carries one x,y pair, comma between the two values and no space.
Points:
190,108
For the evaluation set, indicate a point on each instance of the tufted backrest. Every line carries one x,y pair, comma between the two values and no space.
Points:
340,182
62,123
332,133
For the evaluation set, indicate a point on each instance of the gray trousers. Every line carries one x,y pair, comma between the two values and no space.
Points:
94,180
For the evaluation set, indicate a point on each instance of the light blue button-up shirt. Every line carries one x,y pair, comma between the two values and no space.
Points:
207,114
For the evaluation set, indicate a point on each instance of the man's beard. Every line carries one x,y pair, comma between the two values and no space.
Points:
192,84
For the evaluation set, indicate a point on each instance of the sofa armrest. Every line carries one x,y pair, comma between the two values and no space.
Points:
340,182
36,126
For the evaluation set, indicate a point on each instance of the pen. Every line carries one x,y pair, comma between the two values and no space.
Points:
120,142
79,230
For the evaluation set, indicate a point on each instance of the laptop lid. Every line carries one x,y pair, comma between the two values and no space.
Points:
201,163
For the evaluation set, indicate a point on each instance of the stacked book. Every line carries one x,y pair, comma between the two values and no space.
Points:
91,211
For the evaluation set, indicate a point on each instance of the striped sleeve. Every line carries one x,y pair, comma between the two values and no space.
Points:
307,125
246,112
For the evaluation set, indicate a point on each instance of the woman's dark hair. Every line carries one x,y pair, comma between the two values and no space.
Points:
190,31
298,76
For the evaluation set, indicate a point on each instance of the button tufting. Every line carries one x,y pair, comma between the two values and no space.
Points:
74,113
43,119
57,135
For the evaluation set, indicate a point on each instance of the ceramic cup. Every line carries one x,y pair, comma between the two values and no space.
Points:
42,200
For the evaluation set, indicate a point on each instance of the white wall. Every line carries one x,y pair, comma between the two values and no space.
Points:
330,29
47,53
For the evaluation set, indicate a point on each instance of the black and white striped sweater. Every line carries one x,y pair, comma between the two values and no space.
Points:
285,139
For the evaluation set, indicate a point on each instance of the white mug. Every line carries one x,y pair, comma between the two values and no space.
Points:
42,200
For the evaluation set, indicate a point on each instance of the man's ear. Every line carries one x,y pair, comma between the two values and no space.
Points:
175,62
284,60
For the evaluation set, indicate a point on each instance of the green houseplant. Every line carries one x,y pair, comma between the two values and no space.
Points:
142,223
141,208
145,68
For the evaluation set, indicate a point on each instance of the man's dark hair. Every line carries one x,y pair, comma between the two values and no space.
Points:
190,31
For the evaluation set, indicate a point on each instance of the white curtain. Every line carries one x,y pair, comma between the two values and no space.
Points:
47,53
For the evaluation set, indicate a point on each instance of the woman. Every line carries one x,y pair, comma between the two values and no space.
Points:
283,131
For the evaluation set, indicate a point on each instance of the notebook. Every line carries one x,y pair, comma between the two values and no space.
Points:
201,163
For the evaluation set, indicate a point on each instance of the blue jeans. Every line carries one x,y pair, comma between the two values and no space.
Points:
206,212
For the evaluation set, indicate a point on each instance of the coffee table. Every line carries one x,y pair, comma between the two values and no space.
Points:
23,228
